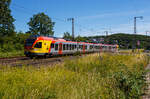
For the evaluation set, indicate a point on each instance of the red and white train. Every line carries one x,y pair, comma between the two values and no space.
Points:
44,46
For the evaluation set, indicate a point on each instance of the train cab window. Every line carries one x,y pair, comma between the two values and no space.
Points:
38,45
29,42
52,45
56,46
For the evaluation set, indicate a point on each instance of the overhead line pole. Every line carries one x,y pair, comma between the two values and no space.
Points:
73,28
72,19
135,32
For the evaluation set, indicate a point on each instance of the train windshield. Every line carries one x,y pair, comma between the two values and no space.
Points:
38,45
29,42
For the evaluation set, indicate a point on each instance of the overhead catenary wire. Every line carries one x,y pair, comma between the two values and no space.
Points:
28,11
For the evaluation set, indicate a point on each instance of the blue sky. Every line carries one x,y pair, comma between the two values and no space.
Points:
92,17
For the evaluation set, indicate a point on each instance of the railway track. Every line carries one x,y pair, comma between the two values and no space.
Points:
25,61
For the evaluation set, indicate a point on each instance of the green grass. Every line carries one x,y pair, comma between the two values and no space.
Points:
110,76
11,54
130,51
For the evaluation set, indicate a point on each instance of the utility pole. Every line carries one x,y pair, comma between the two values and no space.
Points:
106,33
147,32
140,17
106,36
72,19
135,32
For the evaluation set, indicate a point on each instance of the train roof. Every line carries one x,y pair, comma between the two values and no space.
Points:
55,39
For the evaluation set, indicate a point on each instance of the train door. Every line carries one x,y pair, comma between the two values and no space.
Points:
60,48
101,48
51,48
83,48
45,47
109,48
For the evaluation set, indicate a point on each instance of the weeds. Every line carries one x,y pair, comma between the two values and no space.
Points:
111,77
11,54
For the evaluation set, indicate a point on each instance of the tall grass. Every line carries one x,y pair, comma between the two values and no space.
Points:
11,54
110,76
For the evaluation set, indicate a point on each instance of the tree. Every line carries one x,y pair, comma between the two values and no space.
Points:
6,20
81,39
41,24
67,36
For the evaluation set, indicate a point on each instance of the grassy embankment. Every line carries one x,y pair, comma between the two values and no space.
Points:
130,51
11,54
92,77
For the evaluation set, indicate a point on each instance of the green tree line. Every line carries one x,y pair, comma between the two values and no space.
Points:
11,40
125,41
42,24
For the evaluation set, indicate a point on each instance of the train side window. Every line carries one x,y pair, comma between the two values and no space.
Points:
52,45
38,45
56,47
75,46
90,46
79,46
64,47
67,46
70,46
85,47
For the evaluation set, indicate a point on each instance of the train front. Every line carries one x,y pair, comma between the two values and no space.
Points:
34,46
